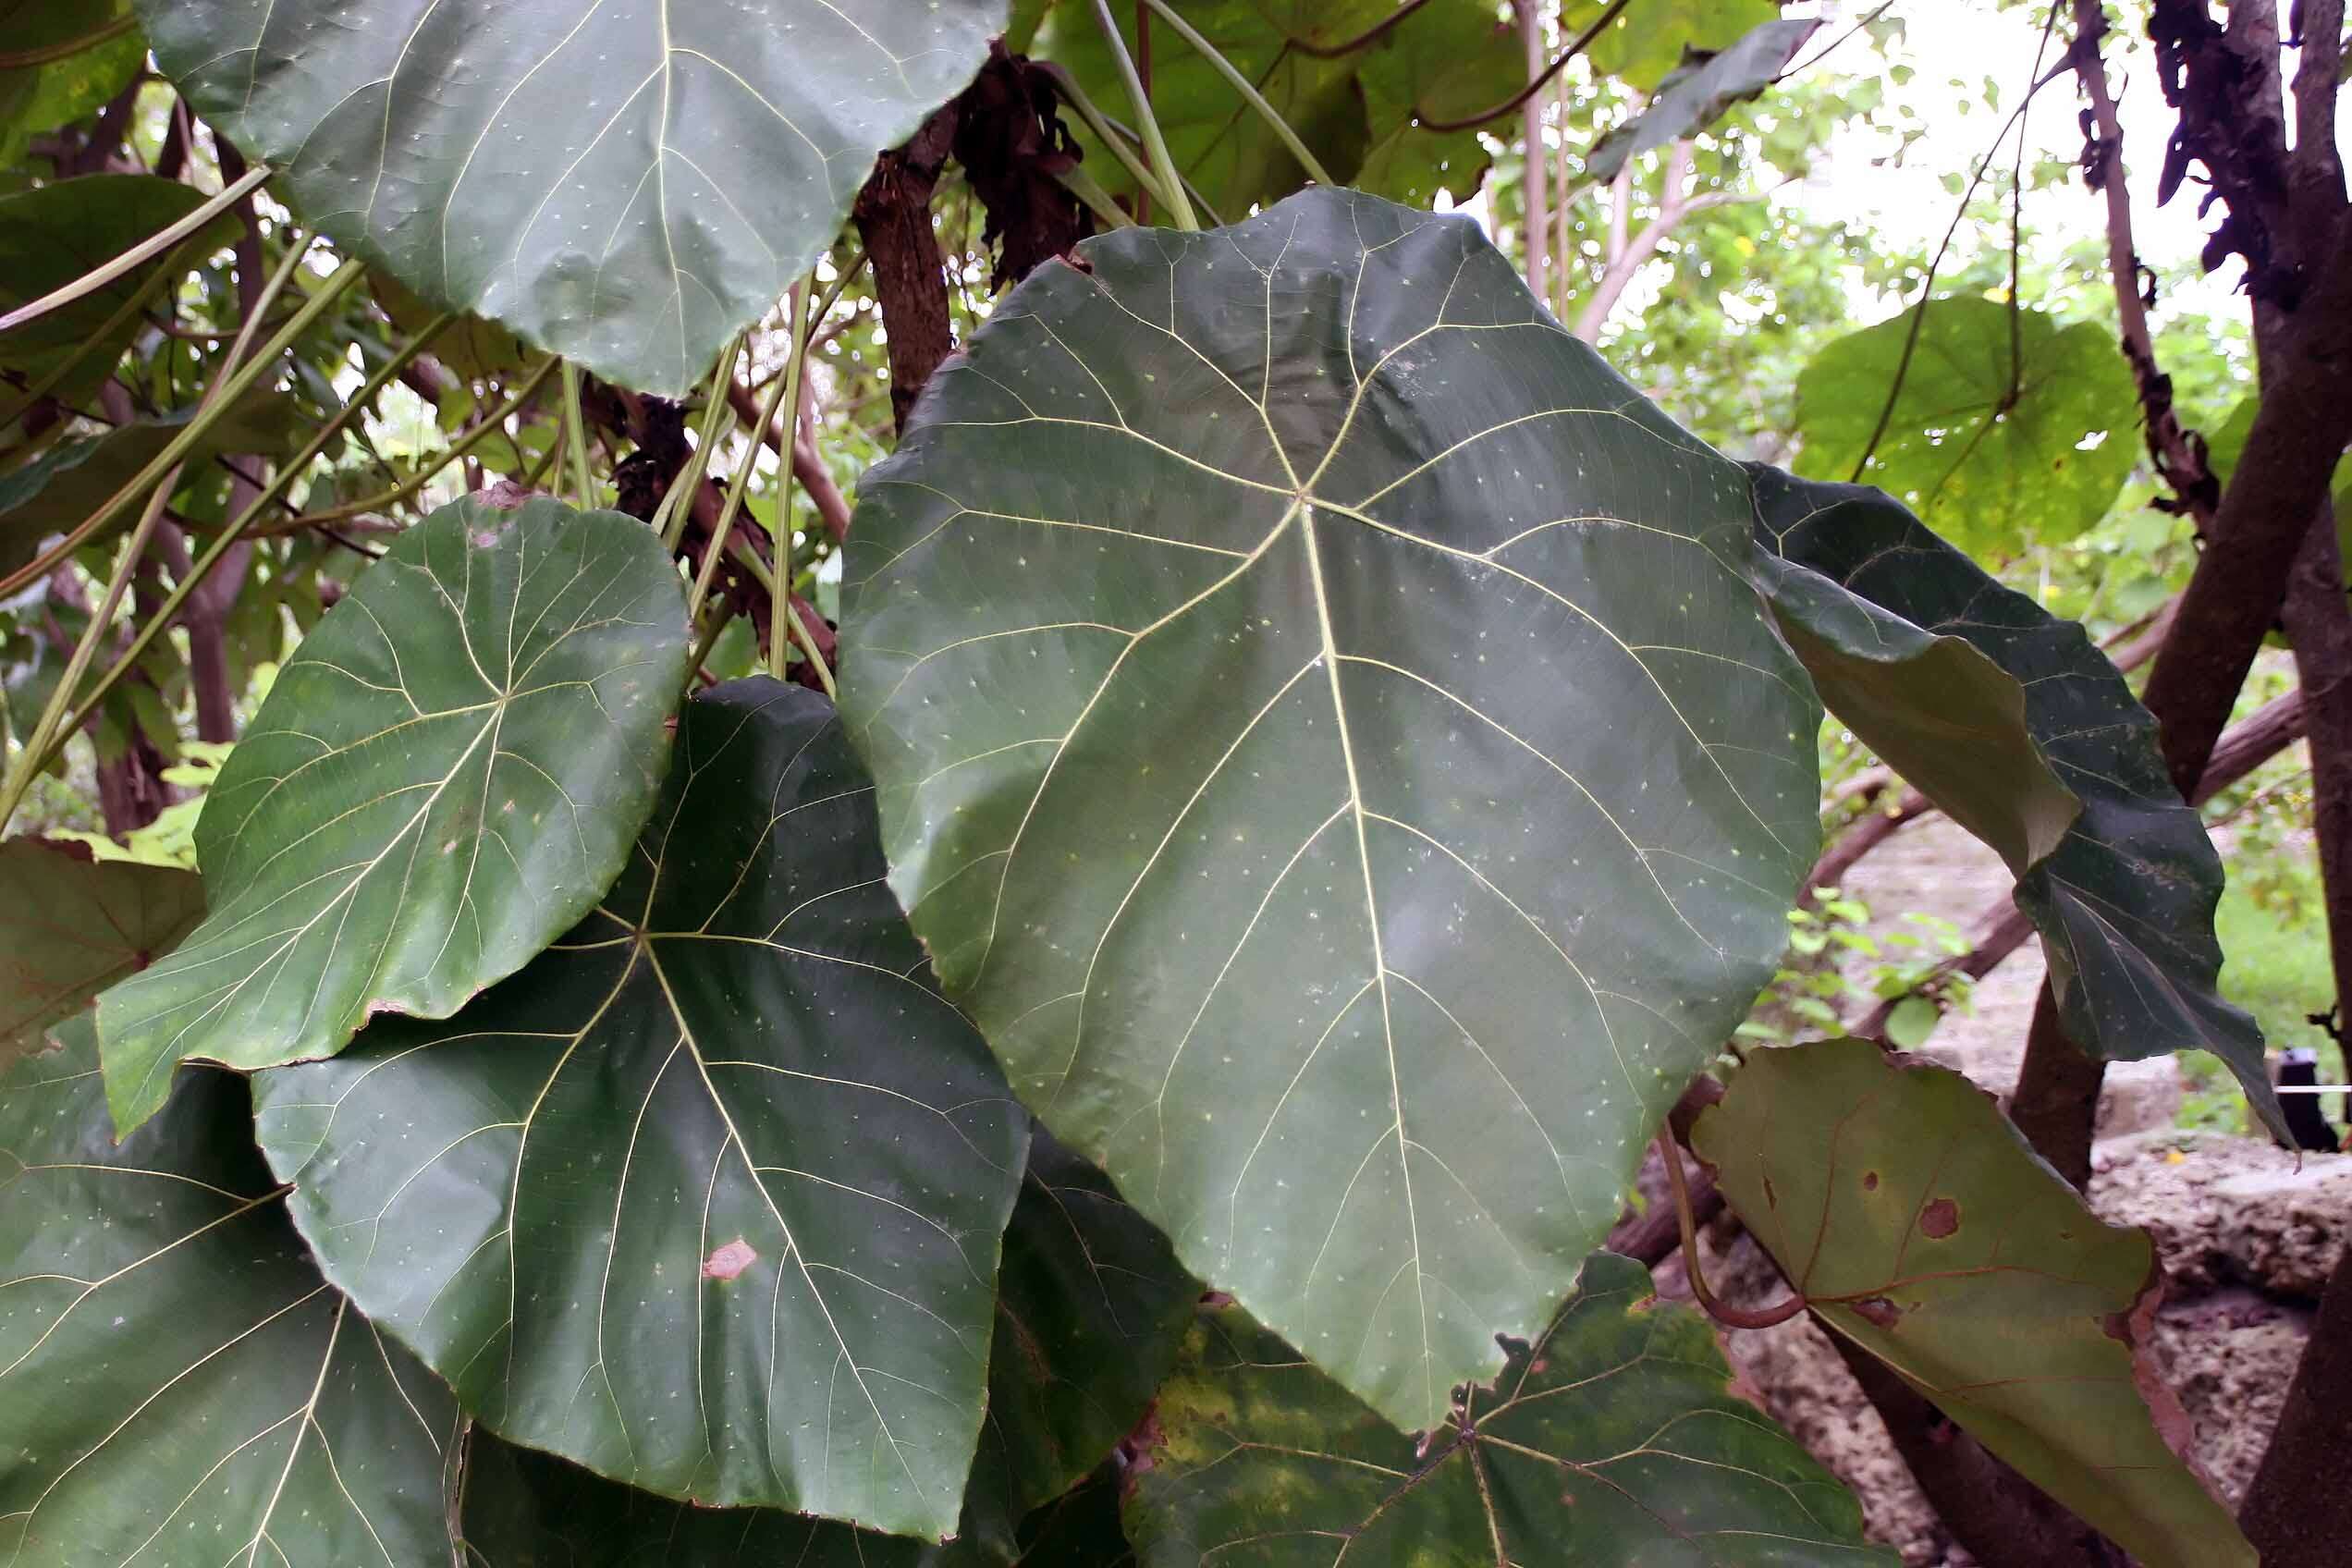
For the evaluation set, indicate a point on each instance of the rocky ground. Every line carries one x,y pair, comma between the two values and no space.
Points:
2246,1233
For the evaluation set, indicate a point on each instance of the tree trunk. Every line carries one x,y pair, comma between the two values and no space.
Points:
2299,1512
893,215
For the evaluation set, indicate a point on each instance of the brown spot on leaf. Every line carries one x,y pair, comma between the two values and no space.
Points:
1878,1310
505,495
1869,1181
1938,1220
726,1262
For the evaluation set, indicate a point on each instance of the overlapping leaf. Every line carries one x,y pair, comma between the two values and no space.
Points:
72,925
708,1197
43,97
1998,449
53,235
176,1382
446,775
1321,742
1701,92
1612,1439
1647,42
624,184
1919,1225
2124,896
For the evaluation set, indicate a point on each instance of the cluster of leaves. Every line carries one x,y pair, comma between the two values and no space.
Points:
1837,967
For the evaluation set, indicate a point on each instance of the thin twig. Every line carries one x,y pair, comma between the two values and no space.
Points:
1576,46
1728,1315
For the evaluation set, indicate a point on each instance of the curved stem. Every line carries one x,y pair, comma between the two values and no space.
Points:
154,244
65,49
139,301
1172,184
1730,1316
1576,46
1368,36
1250,96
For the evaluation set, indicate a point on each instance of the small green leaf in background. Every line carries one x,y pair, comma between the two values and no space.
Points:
1912,1022
446,775
1995,455
1700,92
1874,602
1919,1224
623,186
709,1199
72,925
176,1382
44,97
1647,42
1613,1439
53,235
1383,791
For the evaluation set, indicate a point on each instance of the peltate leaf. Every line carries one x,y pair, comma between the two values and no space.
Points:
72,925
53,234
708,1197
1997,451
176,1382
1275,646
626,185
446,775
1701,92
1645,44
2124,898
1919,1224
1612,1439
57,93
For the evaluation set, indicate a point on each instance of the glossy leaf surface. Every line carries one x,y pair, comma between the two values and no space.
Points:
72,925
446,775
1919,1225
1997,451
708,1197
2124,898
1612,1439
176,1382
625,184
1275,646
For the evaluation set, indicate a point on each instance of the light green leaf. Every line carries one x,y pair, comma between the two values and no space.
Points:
1613,1439
72,925
176,1382
1648,41
446,775
44,97
708,1197
2124,896
1995,455
1912,1022
53,235
624,185
1700,92
1348,639
1919,1225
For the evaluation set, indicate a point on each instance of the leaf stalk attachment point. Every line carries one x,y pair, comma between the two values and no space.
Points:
1730,1316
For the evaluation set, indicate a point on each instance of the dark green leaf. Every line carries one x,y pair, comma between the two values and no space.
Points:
1613,1439
1998,452
1919,1225
1276,648
72,925
44,97
625,187
53,235
446,775
176,1382
1701,92
708,1197
2125,900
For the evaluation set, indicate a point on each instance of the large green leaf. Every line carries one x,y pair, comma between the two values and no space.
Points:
626,185
2124,896
1917,1223
72,925
53,235
708,1197
1999,451
176,1383
446,775
1699,93
1323,745
44,97
1648,41
1612,1439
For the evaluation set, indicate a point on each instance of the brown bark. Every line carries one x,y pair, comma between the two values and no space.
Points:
893,217
2321,630
2299,1512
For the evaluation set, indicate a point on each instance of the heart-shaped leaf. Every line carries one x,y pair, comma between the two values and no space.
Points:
708,1197
624,185
1326,742
1919,1225
1897,626
1612,1439
72,925
446,775
176,1382
1999,450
